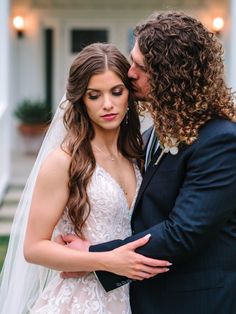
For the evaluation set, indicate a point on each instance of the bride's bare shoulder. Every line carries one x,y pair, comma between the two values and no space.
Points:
60,155
57,160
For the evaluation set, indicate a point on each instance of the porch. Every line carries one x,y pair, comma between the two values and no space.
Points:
21,166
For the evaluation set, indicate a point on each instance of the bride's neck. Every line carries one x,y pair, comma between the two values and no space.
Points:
108,140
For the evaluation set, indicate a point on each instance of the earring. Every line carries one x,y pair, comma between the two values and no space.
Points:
127,116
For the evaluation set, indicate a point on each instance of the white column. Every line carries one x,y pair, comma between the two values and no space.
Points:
232,62
4,97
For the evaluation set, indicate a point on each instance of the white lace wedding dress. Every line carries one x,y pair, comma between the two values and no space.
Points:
109,219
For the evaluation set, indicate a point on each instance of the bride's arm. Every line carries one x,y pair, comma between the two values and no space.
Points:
49,201
123,261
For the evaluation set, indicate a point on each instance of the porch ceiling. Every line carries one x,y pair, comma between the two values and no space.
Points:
132,4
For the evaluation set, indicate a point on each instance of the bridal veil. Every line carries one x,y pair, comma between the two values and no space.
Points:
21,282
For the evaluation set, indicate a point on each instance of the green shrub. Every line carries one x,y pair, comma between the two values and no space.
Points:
3,249
33,112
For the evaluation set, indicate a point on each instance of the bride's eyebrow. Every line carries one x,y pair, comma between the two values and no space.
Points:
119,85
92,89
98,90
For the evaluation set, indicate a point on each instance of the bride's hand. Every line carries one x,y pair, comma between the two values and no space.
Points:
126,262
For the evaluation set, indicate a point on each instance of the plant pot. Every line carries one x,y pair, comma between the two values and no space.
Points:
32,129
32,136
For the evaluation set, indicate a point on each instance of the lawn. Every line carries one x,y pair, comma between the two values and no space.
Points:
3,248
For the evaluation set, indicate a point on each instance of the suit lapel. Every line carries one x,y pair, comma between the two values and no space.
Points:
151,170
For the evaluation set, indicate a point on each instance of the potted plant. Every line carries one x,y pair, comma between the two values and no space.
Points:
34,118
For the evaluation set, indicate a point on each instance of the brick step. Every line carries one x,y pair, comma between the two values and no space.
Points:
18,183
12,196
6,217
21,168
7,212
5,228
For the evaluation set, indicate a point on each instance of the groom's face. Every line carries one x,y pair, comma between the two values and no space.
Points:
138,74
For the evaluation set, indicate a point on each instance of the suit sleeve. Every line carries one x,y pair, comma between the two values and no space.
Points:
205,202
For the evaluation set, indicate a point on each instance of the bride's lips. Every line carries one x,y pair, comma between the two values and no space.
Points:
109,117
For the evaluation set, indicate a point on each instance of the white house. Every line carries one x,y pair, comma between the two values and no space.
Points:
34,62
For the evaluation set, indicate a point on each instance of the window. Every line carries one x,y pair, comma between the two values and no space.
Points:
83,37
131,39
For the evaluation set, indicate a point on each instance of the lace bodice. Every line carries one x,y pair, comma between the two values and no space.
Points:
110,216
109,219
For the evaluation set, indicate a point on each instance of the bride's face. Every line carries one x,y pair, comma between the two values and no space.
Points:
106,100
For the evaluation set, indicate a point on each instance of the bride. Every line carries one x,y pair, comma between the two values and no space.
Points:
85,181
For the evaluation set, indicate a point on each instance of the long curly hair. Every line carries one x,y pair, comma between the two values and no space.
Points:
185,63
93,59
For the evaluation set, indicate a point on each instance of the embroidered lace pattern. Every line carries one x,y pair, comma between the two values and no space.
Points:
109,219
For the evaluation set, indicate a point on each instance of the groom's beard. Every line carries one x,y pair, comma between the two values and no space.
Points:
139,94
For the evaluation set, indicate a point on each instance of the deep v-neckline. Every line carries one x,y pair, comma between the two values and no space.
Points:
120,187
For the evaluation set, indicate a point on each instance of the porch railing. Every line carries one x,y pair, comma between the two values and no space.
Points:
4,149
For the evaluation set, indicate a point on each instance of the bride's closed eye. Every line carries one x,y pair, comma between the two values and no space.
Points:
118,91
93,95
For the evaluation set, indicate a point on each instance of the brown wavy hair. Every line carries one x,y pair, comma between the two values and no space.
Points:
185,62
93,59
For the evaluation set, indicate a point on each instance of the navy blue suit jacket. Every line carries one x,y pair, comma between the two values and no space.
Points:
188,204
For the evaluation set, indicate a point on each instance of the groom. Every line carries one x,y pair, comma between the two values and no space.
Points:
187,200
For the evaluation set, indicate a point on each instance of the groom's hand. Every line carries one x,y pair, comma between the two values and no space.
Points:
76,243
73,242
